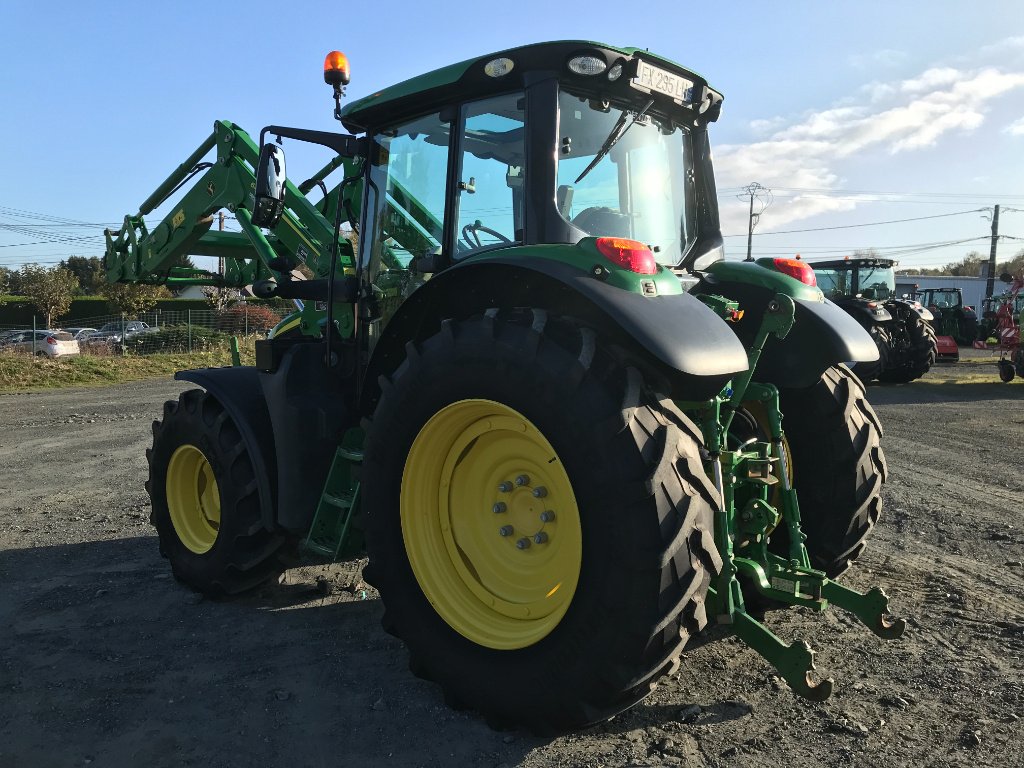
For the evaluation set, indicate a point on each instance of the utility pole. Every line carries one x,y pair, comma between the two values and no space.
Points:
764,196
990,283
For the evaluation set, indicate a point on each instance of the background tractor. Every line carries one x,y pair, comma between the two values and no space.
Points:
955,323
866,289
561,464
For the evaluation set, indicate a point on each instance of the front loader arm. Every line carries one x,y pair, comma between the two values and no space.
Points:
137,255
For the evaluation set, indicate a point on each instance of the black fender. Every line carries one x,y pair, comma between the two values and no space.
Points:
292,420
865,315
675,335
308,411
238,390
823,335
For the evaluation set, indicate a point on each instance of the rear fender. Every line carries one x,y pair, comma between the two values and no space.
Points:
238,390
823,335
675,335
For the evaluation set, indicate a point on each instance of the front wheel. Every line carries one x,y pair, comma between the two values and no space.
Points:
1006,372
540,524
205,499
838,466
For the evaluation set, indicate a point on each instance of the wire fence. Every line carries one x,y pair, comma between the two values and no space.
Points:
175,331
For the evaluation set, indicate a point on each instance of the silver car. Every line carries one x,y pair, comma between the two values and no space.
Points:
45,343
80,334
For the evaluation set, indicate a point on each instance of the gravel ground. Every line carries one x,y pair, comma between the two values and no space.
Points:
106,661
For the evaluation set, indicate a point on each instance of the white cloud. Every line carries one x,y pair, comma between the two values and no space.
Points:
1004,46
887,57
930,79
767,125
1016,128
903,116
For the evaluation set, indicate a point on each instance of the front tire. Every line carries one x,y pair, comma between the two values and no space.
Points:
838,466
205,500
548,634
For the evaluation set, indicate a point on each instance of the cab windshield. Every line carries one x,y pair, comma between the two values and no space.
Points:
638,189
877,283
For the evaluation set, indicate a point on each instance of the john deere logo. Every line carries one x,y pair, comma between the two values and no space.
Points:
649,287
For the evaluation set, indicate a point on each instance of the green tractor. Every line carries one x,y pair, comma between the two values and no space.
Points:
953,318
900,328
562,465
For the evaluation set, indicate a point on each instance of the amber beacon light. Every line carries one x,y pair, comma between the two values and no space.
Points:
336,71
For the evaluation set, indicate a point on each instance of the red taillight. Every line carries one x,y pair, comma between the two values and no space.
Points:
801,270
631,254
50,340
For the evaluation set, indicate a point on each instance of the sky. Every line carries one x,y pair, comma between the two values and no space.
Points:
854,115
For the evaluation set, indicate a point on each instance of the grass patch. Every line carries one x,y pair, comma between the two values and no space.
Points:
20,372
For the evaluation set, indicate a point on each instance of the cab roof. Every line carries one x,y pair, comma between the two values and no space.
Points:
467,79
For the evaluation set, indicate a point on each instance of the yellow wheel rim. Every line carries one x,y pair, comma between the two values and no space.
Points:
490,524
193,499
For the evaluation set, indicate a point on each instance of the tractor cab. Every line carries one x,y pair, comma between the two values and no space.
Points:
867,279
565,143
545,144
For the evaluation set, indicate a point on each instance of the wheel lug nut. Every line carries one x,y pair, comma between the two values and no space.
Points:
505,487
505,530
523,480
523,543
499,508
547,516
540,492
540,538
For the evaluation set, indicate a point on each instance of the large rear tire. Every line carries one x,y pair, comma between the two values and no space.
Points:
571,613
205,500
920,357
838,466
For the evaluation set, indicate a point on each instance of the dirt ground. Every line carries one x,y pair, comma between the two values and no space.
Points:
106,661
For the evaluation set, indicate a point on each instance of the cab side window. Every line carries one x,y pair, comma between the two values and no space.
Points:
491,186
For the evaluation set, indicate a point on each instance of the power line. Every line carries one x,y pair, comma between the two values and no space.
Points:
867,224
828,191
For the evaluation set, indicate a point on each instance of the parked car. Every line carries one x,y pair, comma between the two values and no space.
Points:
110,333
80,334
47,343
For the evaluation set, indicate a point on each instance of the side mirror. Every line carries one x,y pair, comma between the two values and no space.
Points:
270,178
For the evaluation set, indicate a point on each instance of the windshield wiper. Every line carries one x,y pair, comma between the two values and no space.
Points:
617,132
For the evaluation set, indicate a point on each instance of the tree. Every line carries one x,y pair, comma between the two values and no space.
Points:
1014,266
5,281
968,266
133,298
218,297
88,270
49,290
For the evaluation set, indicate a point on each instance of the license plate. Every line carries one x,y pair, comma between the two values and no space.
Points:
651,78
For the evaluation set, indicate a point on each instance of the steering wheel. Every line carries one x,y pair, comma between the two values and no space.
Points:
475,229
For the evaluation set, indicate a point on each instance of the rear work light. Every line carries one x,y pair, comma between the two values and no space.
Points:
631,254
801,270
